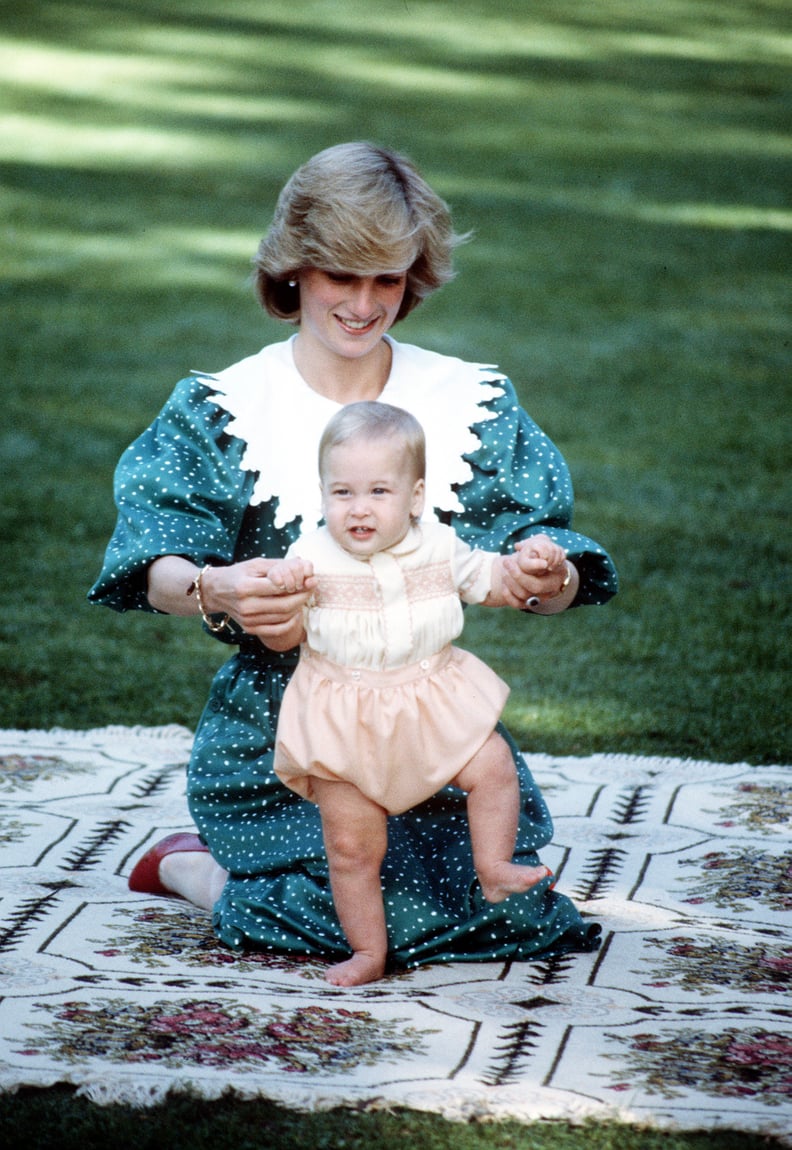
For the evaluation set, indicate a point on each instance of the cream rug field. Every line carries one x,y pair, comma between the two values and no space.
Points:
681,1019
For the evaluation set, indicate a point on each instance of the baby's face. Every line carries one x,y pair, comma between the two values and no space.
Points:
369,495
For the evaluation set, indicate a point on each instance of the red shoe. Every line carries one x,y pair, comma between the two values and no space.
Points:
145,875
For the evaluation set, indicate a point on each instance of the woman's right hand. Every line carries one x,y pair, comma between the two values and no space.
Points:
241,590
244,592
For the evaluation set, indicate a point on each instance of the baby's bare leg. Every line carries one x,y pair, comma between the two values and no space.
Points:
493,790
356,836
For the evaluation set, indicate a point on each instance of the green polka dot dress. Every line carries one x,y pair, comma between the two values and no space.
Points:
227,472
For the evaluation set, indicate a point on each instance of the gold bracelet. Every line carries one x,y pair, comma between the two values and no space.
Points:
564,585
195,586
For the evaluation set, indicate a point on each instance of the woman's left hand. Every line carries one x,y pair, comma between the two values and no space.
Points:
535,576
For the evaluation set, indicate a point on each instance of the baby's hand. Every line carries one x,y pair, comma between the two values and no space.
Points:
539,554
289,575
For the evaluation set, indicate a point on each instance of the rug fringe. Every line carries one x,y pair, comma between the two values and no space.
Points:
174,731
169,731
646,760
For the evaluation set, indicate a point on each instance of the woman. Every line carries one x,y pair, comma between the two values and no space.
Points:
224,480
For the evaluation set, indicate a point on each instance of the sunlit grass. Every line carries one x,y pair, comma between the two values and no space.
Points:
45,140
156,256
159,82
624,169
584,725
624,203
675,28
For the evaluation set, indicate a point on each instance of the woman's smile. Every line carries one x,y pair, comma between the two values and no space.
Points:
358,309
357,326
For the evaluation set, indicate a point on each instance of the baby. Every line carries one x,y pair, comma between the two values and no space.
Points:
383,710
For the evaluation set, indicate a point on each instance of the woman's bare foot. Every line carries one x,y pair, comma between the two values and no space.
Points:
357,970
507,878
196,877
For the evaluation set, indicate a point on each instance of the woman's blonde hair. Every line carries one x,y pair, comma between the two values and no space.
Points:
359,209
369,420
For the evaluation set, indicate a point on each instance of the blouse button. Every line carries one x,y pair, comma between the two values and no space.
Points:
424,664
356,675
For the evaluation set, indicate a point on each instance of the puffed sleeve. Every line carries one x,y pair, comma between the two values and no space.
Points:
521,486
471,570
179,490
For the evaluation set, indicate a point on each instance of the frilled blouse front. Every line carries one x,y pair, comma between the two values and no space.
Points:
226,472
395,607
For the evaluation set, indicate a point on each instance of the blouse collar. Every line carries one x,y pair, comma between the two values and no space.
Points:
280,419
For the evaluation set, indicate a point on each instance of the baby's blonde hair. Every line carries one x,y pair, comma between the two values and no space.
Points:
374,420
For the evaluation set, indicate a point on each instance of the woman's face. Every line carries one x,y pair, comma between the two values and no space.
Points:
347,314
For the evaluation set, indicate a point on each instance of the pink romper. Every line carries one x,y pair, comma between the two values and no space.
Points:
380,697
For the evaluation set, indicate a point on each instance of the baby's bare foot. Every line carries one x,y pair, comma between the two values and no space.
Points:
357,970
508,878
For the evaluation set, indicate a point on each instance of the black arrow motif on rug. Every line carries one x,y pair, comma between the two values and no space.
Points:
517,1044
155,784
631,808
601,870
21,922
87,855
550,970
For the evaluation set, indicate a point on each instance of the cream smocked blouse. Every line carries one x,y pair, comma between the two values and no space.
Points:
394,607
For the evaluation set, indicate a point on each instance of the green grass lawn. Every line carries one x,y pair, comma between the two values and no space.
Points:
626,170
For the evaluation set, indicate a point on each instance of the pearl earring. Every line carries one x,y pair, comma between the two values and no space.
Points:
292,283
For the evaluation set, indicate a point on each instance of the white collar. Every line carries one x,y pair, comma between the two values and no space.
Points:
281,420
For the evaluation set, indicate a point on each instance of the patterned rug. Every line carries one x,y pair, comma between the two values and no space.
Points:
680,1020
